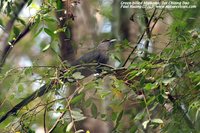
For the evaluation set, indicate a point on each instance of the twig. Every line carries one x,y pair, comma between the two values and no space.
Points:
12,43
63,113
44,122
133,50
57,121
14,16
41,91
138,42
141,37
148,33
6,34
23,117
70,114
157,20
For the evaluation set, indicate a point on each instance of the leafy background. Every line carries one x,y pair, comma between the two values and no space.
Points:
143,89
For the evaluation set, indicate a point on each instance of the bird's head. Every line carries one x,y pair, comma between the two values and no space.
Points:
106,44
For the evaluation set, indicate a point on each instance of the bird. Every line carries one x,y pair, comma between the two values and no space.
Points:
98,55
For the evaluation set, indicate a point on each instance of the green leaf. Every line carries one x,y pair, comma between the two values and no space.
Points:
63,29
119,117
159,121
49,19
178,72
1,24
145,123
29,2
150,86
16,31
135,73
77,115
9,7
88,103
77,75
114,116
94,110
80,131
21,21
59,5
77,98
37,33
132,74
49,32
69,126
20,88
168,81
68,33
104,94
50,1
12,96
46,48
197,114
160,99
139,116
150,100
28,71
37,20
117,58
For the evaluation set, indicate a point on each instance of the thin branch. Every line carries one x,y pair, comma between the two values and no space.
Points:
70,114
14,16
147,110
65,111
12,43
134,48
141,37
148,33
156,20
44,122
9,26
147,22
41,91
57,121
42,106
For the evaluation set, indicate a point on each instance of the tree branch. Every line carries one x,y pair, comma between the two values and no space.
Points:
44,119
9,26
12,43
40,92
64,112
43,90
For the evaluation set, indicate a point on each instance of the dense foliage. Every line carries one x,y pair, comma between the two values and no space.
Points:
155,92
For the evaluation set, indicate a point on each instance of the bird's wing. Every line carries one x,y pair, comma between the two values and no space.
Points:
90,57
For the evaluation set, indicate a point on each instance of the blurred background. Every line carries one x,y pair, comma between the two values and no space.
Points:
82,25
